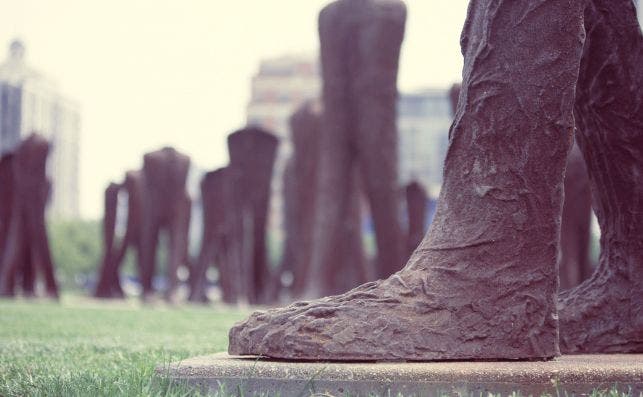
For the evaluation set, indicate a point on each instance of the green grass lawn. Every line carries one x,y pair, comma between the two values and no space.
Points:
82,347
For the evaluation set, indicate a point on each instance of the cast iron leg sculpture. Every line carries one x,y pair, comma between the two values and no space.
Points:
165,205
360,43
252,155
213,197
27,242
108,269
483,282
605,313
305,129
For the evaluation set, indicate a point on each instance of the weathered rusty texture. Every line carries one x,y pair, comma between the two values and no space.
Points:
215,190
165,205
416,201
252,156
605,313
26,244
574,264
483,282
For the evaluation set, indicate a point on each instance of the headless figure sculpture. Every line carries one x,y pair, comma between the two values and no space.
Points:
360,44
304,165
26,244
165,206
215,196
252,155
483,283
109,285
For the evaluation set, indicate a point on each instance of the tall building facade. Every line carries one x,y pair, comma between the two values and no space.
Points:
30,102
423,121
280,86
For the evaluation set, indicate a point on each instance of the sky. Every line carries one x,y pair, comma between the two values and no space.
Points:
151,73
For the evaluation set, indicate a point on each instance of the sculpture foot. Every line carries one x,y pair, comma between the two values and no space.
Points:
413,315
602,315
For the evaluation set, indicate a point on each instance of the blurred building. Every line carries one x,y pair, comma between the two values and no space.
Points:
280,86
423,122
30,102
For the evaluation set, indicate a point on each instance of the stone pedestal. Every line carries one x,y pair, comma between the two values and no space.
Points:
567,375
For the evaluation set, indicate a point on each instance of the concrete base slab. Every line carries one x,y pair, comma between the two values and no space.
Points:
248,376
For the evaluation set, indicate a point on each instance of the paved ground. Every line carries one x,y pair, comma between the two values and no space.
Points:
571,374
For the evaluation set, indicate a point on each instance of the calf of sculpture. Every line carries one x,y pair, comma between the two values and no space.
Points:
165,206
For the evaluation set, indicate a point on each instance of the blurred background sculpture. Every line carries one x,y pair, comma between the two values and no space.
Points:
300,182
157,201
360,46
216,199
25,249
165,206
252,154
108,285
574,264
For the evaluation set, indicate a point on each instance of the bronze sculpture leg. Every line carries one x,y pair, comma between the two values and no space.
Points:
377,38
108,277
605,313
